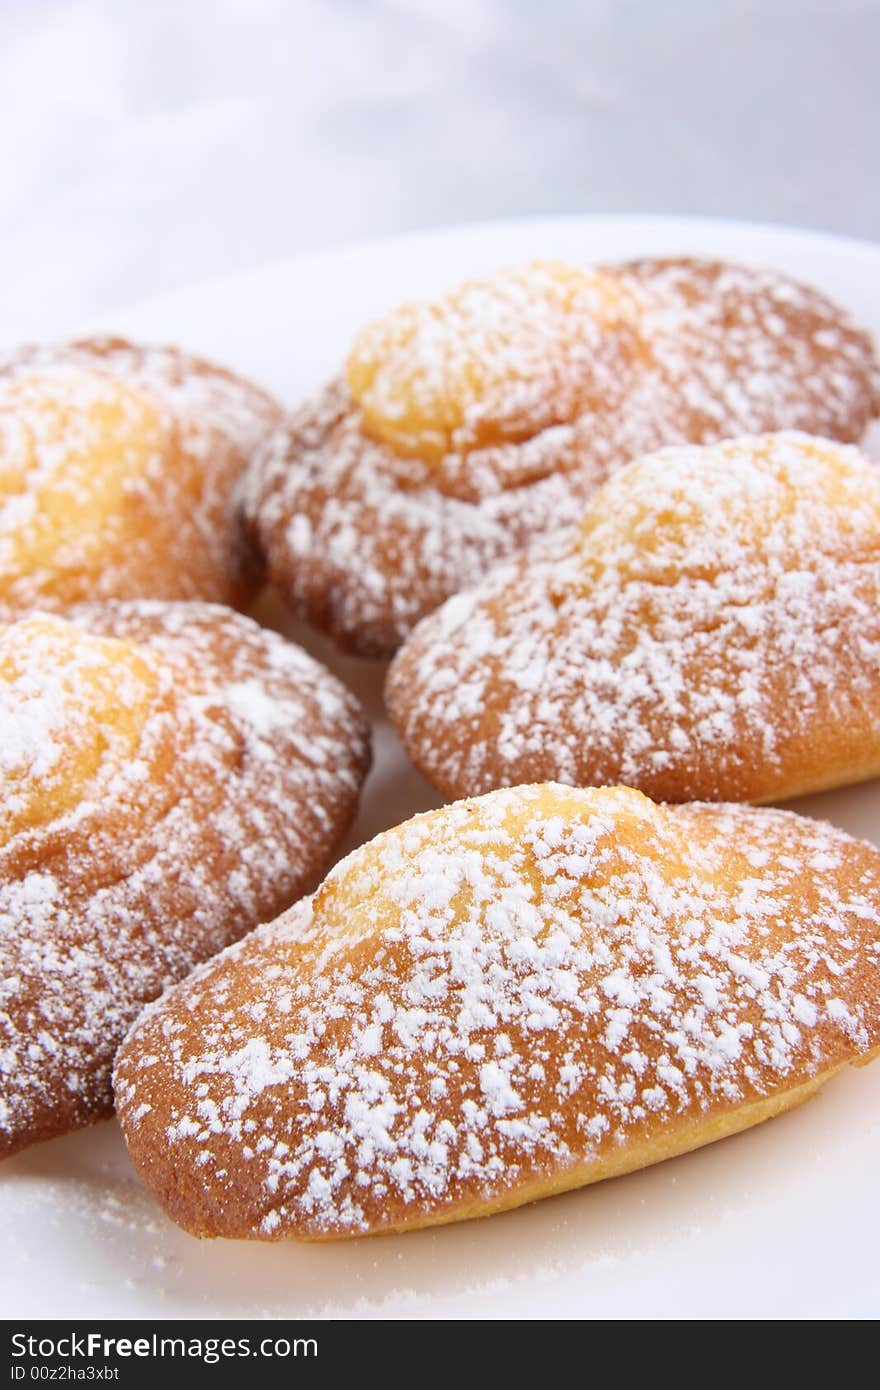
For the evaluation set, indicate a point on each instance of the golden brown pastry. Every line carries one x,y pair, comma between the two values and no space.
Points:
501,1000
171,775
466,429
712,631
117,470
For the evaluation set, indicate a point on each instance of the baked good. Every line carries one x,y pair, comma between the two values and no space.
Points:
501,1000
466,429
711,632
117,470
171,775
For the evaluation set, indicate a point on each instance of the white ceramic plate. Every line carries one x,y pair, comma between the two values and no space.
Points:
781,1221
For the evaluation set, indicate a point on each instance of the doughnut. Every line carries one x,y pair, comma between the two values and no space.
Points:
467,429
501,1000
711,632
118,465
171,776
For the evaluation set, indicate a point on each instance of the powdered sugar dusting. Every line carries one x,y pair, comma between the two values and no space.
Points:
364,538
498,993
496,360
119,464
712,630
172,846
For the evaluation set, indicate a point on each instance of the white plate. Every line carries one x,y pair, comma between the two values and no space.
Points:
780,1221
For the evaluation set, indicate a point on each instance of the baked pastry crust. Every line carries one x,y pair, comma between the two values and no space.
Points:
501,1000
468,429
118,465
711,632
172,775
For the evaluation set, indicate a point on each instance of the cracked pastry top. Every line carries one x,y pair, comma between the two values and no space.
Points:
471,427
711,630
118,465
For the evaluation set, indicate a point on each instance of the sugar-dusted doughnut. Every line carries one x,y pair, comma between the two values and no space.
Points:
465,429
711,632
118,465
171,775
501,1000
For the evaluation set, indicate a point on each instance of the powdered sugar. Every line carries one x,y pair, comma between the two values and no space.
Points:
710,628
162,852
365,540
594,978
120,463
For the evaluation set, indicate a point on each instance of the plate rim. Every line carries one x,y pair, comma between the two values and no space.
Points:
825,242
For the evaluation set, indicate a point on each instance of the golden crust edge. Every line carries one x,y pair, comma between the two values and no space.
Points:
631,1158
458,789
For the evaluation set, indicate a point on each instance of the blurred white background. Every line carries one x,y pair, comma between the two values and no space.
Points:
146,144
